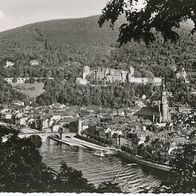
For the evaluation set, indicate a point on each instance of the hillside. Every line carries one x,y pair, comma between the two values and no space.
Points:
30,90
54,42
81,42
7,93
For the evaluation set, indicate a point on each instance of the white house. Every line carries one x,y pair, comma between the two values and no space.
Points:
23,121
81,81
8,116
5,111
9,64
18,103
56,118
45,123
55,128
34,62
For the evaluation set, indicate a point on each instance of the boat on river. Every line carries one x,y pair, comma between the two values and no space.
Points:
140,160
99,154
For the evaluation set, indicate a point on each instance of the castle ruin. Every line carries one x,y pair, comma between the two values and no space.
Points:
108,75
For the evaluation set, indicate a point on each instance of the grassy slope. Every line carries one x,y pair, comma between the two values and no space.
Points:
7,93
30,90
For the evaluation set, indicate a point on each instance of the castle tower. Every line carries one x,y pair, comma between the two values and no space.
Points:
79,126
184,75
86,72
131,71
165,116
130,74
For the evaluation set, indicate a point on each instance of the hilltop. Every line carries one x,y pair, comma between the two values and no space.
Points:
54,42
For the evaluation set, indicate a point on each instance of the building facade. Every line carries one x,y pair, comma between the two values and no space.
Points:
108,75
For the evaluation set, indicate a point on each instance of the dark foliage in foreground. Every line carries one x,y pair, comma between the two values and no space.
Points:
155,16
22,170
182,178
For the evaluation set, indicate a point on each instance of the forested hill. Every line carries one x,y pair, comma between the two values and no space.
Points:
54,42
57,42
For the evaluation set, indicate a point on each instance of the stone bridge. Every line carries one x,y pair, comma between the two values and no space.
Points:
45,135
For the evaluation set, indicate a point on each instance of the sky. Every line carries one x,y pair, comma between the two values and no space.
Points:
14,13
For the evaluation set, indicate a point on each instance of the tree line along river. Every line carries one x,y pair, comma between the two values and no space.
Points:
132,178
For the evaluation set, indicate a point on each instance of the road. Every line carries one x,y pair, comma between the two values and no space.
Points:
84,144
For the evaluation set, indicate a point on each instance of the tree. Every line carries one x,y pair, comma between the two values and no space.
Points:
22,169
32,80
183,168
182,178
14,80
154,16
108,187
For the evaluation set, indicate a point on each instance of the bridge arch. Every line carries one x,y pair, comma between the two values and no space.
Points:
43,136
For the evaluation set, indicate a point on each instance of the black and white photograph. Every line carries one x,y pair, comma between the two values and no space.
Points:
98,96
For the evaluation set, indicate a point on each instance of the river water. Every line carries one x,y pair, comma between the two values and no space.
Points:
130,177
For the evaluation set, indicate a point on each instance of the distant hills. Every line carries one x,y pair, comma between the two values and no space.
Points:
56,41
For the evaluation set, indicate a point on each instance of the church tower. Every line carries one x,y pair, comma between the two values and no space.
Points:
164,104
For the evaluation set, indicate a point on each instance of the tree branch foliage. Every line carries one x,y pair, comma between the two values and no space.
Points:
22,170
182,177
162,16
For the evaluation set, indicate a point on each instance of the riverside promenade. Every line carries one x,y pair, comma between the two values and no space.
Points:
84,144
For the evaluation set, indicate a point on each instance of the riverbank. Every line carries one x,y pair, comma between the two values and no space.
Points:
123,155
138,159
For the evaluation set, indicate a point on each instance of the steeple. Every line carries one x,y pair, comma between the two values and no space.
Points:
164,103
164,92
163,84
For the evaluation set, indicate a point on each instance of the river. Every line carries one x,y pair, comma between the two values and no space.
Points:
130,177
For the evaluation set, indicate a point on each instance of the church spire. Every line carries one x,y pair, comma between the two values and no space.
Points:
164,85
164,103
